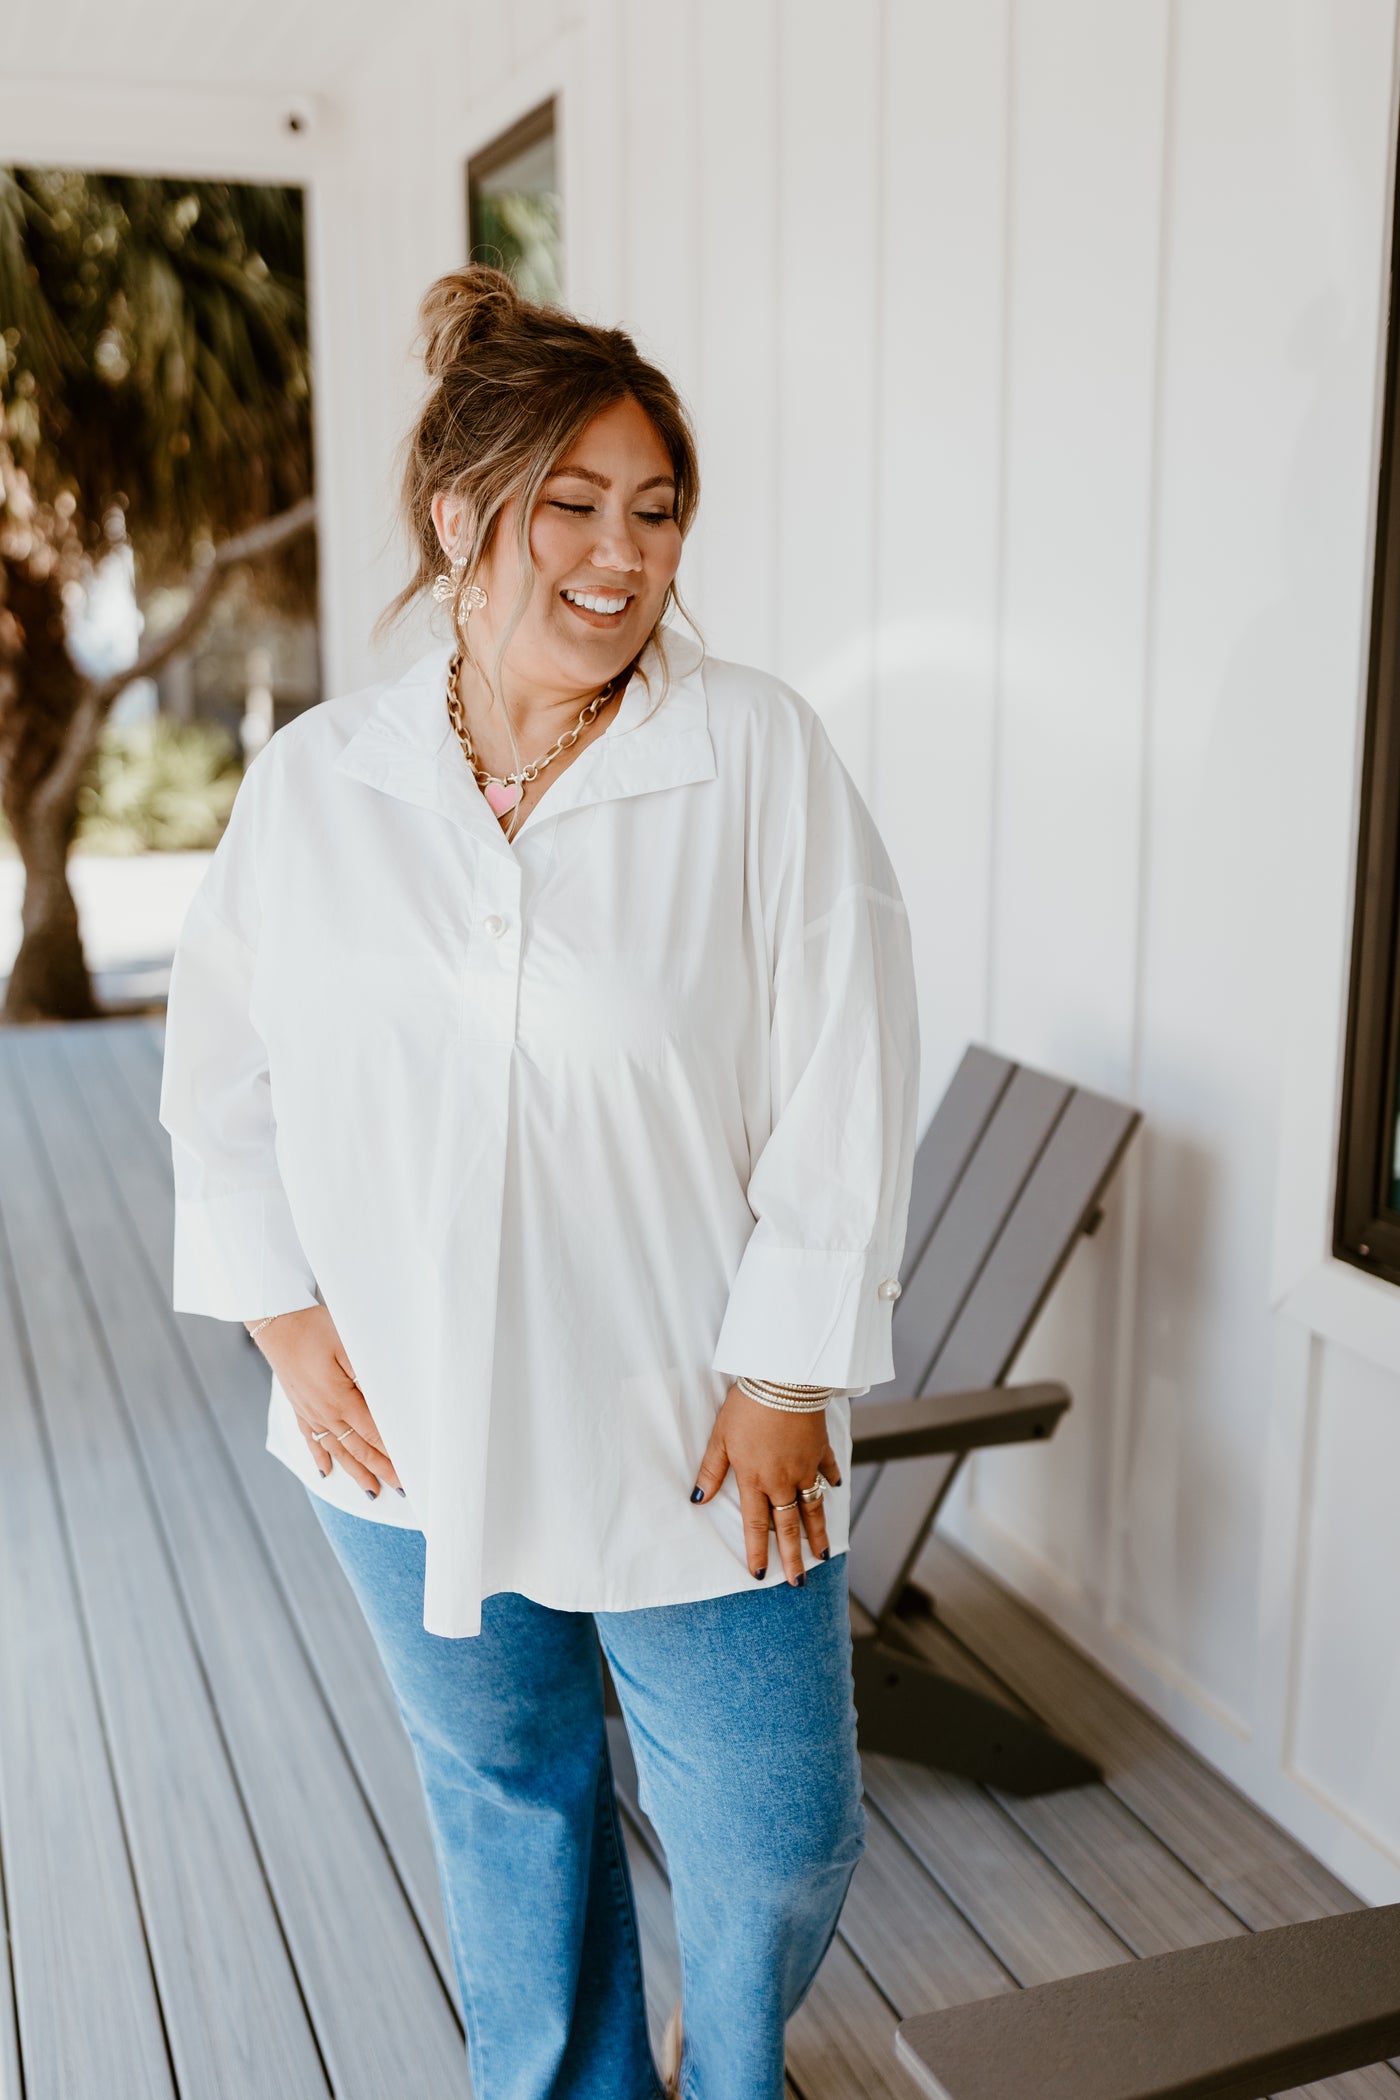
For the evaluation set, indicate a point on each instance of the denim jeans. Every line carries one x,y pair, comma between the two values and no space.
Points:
739,1710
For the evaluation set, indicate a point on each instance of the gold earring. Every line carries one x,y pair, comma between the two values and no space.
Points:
473,601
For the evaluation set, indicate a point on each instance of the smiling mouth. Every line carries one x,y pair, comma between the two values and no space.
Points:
598,608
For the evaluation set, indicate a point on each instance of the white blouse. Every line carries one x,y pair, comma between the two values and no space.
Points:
566,1132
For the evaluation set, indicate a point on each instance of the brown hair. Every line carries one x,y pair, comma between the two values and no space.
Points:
514,385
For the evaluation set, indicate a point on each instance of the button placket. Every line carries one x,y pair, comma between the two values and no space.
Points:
495,956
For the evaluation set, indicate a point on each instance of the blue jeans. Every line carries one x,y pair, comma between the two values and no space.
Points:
739,1710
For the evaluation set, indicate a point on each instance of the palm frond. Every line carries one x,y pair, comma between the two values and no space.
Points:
157,360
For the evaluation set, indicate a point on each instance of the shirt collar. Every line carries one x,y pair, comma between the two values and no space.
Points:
406,745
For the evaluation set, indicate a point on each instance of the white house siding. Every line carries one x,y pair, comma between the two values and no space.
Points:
1035,350
1035,353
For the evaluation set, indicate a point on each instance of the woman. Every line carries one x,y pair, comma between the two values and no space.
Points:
540,1073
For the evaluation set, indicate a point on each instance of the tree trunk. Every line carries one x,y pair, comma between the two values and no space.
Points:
49,981
51,721
39,714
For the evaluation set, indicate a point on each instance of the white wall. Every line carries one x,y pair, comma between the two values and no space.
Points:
1035,351
1034,347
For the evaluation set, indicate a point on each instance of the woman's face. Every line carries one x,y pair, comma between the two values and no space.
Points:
603,528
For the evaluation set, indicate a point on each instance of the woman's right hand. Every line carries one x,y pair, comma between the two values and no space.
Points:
309,1359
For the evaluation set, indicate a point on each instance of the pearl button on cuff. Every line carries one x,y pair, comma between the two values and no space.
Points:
890,1288
494,925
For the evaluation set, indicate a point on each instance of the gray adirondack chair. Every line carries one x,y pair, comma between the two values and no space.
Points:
1008,1175
1263,2013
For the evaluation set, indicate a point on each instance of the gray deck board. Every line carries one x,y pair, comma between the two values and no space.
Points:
120,1083
902,1929
1258,1874
837,2046
1024,1909
234,2019
1256,1869
380,2015
76,1930
1127,1875
9,2032
190,1702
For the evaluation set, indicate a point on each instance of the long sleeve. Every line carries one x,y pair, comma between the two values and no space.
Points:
236,1253
830,1187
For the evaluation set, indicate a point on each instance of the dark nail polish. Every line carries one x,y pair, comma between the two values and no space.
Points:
759,1573
826,1552
797,1581
697,1494
399,1491
370,1493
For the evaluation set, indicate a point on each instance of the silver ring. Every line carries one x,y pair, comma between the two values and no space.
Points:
318,1436
343,1434
815,1492
784,1505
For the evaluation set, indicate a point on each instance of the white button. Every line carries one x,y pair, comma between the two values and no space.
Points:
890,1288
494,925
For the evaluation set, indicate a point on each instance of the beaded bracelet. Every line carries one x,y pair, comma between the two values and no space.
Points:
791,1399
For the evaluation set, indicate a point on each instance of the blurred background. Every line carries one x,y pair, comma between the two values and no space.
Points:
157,424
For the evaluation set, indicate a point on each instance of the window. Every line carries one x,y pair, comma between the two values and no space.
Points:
1367,1224
513,216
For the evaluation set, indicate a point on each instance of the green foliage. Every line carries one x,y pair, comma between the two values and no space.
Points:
156,786
154,357
518,231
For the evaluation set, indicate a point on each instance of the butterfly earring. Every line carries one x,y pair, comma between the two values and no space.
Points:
445,585
449,583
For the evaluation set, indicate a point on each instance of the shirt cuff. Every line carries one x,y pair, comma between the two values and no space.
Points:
810,1314
237,1256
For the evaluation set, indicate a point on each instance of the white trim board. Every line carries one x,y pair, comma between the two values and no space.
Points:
227,134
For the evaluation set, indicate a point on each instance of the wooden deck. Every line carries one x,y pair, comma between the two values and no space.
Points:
217,1874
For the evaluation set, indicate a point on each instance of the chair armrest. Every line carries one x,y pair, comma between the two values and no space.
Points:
1263,2013
993,1414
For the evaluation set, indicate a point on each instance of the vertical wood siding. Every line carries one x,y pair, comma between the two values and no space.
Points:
1033,351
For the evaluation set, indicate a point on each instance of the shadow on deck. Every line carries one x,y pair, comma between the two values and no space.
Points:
217,1874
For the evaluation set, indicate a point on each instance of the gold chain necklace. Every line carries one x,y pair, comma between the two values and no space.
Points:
503,791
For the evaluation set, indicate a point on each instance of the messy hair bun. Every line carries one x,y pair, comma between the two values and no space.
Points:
465,308
513,384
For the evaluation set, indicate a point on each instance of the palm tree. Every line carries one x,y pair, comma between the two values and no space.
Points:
154,388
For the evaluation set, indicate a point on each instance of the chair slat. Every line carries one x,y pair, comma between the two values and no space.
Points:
1021,1202
1227,2021
934,1289
1078,1161
957,1128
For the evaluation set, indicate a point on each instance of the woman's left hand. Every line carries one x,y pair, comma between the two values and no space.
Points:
774,1455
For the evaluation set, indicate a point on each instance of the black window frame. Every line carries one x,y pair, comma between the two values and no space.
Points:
1366,1226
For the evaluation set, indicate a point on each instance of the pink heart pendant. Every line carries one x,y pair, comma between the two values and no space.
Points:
502,795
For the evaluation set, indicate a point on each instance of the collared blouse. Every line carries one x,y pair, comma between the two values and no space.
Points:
566,1131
